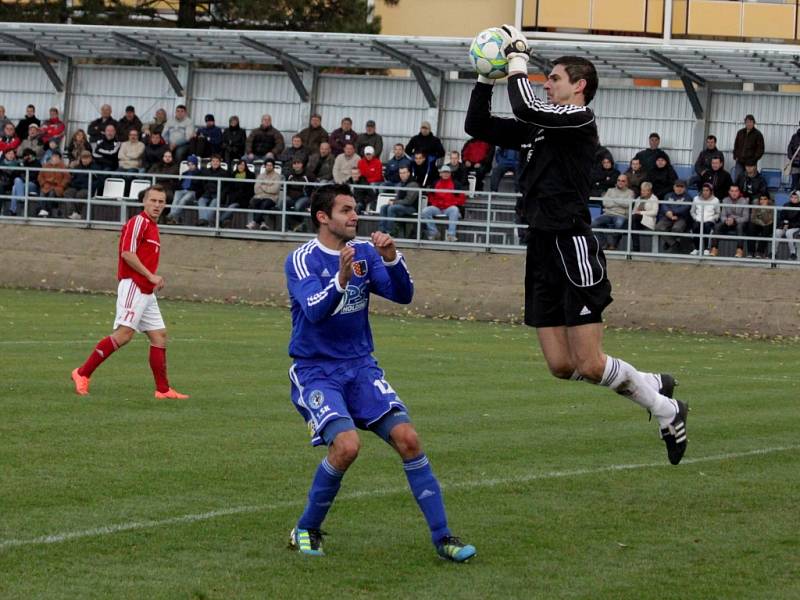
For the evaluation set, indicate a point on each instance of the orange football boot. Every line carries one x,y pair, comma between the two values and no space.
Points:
81,383
170,394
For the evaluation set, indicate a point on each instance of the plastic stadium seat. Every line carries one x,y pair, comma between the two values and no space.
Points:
596,211
773,177
184,167
113,188
137,185
383,200
684,171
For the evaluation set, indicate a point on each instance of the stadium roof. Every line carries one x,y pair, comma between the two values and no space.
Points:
695,62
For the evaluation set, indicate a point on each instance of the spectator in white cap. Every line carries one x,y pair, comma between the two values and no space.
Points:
370,166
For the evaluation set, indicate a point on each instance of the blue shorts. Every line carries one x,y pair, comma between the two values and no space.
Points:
325,390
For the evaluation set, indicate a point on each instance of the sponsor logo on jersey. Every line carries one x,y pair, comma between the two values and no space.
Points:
326,273
355,298
360,268
315,399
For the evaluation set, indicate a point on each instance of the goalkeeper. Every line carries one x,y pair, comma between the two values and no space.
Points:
566,283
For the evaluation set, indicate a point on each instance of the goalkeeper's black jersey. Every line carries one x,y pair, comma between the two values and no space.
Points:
557,148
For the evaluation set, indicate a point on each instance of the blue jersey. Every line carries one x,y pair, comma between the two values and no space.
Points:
329,322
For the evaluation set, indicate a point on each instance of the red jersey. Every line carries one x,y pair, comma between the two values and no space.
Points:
371,169
442,198
139,236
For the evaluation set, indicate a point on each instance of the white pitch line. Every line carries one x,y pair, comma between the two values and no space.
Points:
57,538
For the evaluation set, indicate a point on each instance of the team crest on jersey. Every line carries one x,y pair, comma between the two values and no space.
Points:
315,399
360,268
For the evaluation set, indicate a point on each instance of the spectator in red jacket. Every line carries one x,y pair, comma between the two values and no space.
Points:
443,201
9,139
477,157
52,129
371,167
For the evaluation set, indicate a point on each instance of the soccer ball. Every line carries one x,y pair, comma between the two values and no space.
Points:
486,56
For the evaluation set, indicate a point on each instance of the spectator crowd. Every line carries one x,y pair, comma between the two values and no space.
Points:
256,166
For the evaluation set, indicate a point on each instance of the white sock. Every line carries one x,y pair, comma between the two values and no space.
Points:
642,388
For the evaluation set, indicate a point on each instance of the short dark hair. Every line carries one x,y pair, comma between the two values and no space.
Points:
579,68
654,135
31,106
712,137
322,199
183,106
217,156
157,187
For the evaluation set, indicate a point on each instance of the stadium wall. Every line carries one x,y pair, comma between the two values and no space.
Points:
461,285
626,115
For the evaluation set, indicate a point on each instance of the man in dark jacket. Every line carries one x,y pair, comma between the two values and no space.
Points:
662,176
24,123
320,164
749,145
395,163
425,142
79,185
264,141
341,136
370,138
208,140
128,122
106,150
648,156
209,198
566,283
154,150
673,214
718,177
751,182
703,162
234,140
313,135
97,128
423,171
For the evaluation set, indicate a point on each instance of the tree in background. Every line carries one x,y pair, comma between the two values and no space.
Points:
350,16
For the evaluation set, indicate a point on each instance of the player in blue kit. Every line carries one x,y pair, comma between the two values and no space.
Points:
336,384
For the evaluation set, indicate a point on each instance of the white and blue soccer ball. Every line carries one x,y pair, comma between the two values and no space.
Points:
486,55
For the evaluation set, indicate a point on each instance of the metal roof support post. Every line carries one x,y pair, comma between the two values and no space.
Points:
309,105
434,113
700,127
694,100
163,59
687,77
185,76
43,56
417,70
290,64
63,98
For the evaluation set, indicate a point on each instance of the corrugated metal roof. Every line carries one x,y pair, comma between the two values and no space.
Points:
624,57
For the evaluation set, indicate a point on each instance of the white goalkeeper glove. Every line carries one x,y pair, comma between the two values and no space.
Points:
515,48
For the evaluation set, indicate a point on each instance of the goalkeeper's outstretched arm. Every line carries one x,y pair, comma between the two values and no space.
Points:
482,125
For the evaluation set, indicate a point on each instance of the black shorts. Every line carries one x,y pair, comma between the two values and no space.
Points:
566,281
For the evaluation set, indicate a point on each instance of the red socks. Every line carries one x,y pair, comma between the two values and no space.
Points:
158,364
102,351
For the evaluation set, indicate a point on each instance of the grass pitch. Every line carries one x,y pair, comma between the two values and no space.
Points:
564,488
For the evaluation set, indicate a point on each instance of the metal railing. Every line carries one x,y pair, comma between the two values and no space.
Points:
488,221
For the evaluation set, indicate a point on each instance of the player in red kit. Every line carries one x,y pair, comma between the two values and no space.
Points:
137,307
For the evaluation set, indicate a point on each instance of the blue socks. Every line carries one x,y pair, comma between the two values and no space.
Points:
428,495
423,484
324,487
